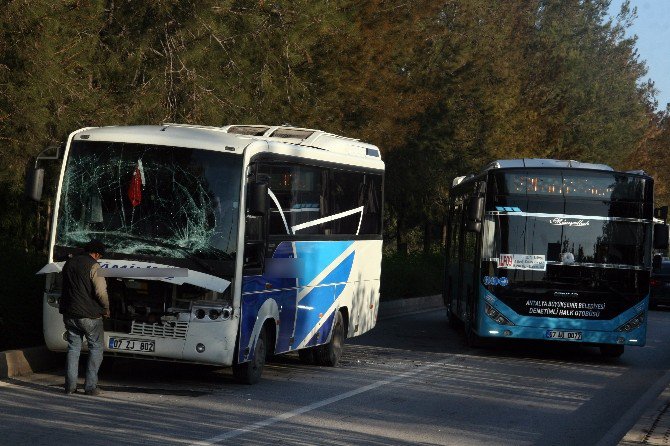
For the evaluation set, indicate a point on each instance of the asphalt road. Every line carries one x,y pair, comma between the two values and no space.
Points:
409,381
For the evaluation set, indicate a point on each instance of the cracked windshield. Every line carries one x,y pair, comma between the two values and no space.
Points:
153,201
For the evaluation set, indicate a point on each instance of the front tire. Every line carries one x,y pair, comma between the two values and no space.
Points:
250,372
611,350
329,354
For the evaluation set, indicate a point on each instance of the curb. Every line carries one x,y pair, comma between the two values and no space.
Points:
27,361
653,427
36,359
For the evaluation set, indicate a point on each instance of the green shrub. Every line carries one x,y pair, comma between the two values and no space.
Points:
411,275
20,298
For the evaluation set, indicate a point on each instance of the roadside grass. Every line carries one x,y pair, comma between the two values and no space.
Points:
20,298
411,275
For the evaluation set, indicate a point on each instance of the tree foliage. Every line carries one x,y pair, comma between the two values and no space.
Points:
442,87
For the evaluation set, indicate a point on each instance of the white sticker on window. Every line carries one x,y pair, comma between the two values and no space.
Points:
534,262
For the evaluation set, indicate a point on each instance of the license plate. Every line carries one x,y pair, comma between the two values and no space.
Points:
132,345
560,334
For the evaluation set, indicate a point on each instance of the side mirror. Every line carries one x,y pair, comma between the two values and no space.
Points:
35,184
661,213
257,198
475,214
660,236
656,262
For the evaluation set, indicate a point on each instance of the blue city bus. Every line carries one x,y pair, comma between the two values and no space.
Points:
552,250
225,245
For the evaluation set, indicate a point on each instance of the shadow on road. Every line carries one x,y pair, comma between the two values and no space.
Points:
429,332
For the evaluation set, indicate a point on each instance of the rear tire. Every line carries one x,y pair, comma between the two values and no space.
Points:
611,350
329,354
250,372
306,355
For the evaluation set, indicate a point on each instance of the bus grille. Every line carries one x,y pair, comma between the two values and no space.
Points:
178,331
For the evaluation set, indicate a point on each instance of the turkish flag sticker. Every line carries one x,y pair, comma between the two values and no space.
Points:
135,186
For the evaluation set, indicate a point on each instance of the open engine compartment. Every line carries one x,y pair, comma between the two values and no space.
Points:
155,307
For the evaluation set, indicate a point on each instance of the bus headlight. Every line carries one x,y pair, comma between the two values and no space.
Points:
226,313
497,316
633,323
213,313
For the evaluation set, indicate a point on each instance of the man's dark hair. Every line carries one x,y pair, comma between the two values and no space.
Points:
95,247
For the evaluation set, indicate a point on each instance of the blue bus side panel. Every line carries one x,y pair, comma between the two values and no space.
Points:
256,290
319,302
305,303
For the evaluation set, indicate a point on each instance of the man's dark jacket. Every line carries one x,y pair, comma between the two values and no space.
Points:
79,299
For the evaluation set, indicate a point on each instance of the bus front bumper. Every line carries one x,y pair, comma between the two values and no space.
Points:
564,334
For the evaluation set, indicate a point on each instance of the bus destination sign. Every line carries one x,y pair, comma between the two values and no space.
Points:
533,262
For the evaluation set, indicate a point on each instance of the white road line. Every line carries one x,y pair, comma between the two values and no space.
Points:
313,406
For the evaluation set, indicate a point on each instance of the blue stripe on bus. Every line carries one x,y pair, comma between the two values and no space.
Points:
296,323
507,209
317,256
316,303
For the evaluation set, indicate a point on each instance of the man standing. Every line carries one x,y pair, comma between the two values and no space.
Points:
83,303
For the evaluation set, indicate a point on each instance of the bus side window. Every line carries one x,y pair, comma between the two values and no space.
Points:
351,191
372,222
300,193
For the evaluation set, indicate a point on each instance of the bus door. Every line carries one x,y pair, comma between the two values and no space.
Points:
470,267
469,274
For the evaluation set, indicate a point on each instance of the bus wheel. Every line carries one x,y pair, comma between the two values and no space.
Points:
250,372
611,350
306,355
329,354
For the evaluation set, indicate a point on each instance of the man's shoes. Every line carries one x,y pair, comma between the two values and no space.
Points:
92,392
70,391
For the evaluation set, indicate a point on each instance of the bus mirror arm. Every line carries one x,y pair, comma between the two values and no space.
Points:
661,236
257,198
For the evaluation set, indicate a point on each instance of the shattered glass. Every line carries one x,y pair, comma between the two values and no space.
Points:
156,201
